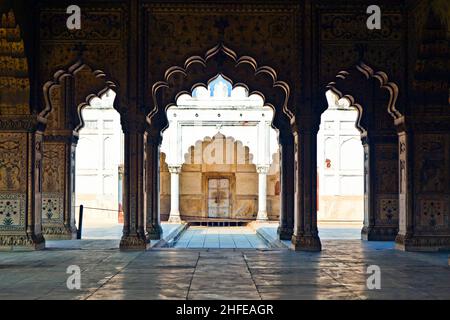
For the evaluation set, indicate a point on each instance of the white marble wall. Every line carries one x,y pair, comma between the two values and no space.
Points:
98,156
340,161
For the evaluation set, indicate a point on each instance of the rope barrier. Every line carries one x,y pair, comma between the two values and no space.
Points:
100,209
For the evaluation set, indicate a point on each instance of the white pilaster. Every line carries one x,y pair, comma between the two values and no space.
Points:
174,216
262,193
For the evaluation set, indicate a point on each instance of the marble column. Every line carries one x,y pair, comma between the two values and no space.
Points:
153,223
21,150
262,193
174,216
380,187
405,237
134,237
285,230
306,234
58,186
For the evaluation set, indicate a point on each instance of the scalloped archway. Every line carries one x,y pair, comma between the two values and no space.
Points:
374,97
64,98
97,85
243,71
240,70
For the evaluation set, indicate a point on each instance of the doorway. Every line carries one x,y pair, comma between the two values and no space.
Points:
219,198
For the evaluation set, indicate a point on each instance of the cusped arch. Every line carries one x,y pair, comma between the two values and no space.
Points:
98,85
343,87
239,153
198,71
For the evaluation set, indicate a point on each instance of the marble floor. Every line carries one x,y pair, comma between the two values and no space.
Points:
102,238
220,237
338,272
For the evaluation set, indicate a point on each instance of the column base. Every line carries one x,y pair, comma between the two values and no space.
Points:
154,232
22,242
262,216
285,233
174,219
134,242
306,243
422,243
59,233
379,233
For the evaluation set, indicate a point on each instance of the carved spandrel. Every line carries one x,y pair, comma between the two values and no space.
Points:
104,35
98,24
181,30
352,27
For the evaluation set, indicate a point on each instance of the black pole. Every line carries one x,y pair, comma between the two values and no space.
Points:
80,223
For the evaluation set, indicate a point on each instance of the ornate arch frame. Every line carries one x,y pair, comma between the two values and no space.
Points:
70,72
164,94
368,73
66,140
198,71
234,85
375,228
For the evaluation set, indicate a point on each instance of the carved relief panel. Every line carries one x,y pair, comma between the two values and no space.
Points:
13,180
432,166
386,189
54,176
13,160
432,153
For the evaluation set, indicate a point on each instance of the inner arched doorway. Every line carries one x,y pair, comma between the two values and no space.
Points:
220,135
340,172
218,168
196,74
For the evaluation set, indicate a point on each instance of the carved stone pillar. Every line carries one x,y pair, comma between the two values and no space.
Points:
286,228
20,183
306,234
134,237
424,147
153,227
58,196
262,193
380,188
424,196
174,216
406,213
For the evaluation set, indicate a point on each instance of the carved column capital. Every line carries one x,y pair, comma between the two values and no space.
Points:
175,169
262,169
